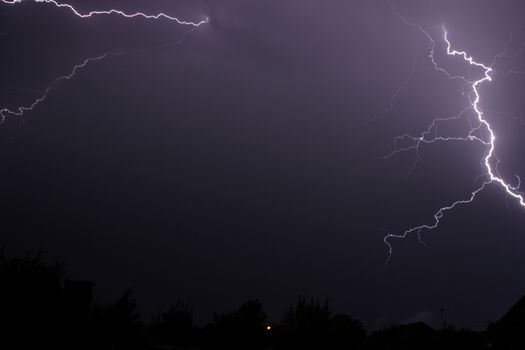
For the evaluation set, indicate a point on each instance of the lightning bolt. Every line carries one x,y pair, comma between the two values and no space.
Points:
111,12
489,161
21,110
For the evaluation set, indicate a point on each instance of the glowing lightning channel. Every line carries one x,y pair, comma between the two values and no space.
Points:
491,175
111,11
490,155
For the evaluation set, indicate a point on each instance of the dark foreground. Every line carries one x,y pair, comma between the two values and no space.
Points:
40,308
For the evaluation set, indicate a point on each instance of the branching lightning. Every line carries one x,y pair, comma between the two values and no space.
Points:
480,131
21,110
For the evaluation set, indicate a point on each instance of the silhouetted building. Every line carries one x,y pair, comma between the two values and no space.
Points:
515,317
509,331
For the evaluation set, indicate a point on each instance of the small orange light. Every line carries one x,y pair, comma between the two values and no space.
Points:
268,328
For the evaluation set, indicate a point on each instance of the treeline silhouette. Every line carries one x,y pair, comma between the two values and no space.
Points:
41,308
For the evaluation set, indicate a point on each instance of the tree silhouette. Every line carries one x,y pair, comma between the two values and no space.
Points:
346,332
308,323
242,328
30,299
308,314
117,326
175,326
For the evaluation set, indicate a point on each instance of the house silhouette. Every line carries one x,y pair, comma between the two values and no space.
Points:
509,330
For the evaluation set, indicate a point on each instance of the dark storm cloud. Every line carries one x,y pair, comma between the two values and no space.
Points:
244,162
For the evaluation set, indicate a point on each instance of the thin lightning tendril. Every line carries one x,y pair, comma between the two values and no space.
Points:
491,173
403,86
20,111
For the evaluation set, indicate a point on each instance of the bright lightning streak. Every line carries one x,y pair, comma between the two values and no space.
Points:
492,145
112,11
491,173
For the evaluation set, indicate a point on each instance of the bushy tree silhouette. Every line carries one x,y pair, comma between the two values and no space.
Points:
30,299
308,323
244,328
308,314
175,326
118,325
346,332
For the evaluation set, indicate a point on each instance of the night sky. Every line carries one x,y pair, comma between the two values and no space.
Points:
243,159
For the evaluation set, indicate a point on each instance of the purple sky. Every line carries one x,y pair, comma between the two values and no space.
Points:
245,162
